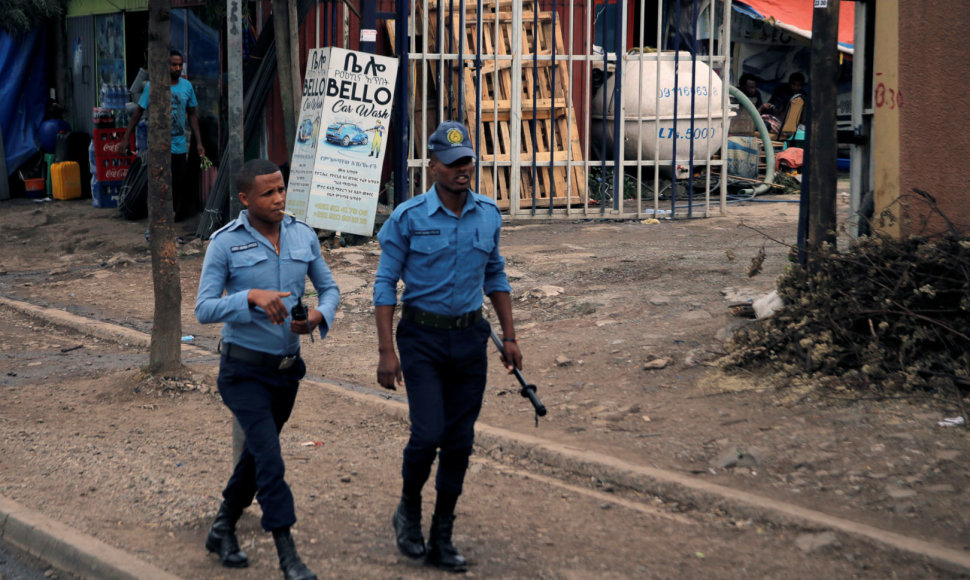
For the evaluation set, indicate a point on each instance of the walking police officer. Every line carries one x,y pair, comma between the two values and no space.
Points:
444,245
255,271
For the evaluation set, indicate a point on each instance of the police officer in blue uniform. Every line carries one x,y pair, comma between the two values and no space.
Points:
255,271
444,245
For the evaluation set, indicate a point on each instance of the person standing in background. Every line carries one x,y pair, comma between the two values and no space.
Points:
184,104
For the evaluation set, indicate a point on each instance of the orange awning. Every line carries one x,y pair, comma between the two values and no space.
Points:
795,16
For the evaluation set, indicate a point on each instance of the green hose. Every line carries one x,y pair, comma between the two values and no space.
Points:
765,140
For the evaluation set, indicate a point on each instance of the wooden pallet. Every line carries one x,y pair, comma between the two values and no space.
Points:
545,106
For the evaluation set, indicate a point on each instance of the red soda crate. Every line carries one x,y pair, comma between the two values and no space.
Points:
112,166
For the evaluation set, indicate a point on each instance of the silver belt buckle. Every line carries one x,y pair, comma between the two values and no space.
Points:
286,362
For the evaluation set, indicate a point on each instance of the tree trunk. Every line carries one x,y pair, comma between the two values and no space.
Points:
166,354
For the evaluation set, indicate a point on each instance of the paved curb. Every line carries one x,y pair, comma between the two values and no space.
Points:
95,328
69,550
661,482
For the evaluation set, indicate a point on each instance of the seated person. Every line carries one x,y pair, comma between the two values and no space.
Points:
783,93
749,86
773,112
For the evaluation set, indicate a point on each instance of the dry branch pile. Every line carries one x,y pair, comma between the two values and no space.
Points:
886,316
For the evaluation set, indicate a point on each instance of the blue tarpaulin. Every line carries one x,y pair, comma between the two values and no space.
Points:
23,63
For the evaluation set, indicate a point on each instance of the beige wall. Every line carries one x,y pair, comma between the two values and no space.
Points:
885,121
934,111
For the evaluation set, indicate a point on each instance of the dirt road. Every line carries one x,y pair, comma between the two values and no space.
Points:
618,323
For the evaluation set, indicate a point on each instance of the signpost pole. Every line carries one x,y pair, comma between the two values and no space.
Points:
822,136
234,158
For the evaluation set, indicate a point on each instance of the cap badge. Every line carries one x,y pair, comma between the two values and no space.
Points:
455,137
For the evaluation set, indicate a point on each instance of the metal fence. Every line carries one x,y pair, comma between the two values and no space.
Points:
548,88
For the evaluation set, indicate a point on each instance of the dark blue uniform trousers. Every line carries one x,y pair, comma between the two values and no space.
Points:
261,400
444,374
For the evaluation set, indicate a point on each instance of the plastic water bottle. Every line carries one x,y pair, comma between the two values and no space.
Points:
141,135
92,163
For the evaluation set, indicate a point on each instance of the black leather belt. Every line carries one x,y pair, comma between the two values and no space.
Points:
271,361
440,321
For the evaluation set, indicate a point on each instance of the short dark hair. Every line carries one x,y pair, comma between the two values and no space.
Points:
174,52
747,77
796,77
251,170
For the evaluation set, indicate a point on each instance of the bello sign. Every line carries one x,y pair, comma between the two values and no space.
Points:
339,150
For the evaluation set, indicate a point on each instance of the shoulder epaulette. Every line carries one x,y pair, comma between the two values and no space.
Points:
303,223
486,200
412,203
224,228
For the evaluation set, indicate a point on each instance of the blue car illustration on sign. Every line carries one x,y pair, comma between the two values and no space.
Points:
346,134
307,130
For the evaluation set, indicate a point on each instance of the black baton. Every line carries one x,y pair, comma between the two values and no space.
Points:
528,389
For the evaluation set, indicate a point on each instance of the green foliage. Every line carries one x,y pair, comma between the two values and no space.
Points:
886,316
600,182
19,16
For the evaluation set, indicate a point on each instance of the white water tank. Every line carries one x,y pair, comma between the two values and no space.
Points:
649,113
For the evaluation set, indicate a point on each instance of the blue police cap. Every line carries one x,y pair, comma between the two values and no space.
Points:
450,142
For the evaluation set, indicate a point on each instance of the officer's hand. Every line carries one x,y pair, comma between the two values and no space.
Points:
512,359
389,370
271,302
313,319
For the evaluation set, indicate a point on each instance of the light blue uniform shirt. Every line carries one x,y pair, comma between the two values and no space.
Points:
183,96
446,262
239,259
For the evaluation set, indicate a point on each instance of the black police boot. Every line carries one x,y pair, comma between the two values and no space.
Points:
441,552
222,538
293,568
407,528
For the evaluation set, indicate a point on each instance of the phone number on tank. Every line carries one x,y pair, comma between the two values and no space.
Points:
699,90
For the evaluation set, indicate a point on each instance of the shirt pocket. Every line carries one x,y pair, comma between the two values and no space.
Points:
244,268
428,245
295,268
482,246
483,242
430,254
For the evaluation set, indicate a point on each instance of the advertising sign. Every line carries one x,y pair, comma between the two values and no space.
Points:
307,132
357,94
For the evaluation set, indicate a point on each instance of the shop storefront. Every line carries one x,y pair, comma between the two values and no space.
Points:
108,44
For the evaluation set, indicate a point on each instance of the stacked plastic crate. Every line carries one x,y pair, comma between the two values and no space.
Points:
110,162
